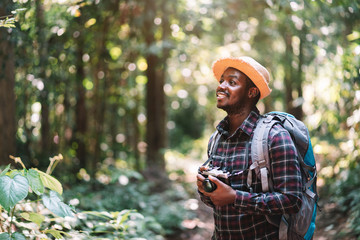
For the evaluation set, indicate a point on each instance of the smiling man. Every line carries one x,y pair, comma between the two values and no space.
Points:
240,210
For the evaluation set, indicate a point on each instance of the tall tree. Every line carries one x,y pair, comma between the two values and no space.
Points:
81,113
102,79
7,96
155,96
42,53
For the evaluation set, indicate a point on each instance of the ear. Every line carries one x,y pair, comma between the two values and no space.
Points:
253,92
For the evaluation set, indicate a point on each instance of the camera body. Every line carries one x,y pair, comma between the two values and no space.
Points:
208,185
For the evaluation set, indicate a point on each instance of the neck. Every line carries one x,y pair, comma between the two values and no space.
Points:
236,119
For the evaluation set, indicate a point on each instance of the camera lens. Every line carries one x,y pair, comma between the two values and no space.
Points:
208,185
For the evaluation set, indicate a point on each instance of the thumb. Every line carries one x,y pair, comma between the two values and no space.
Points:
214,179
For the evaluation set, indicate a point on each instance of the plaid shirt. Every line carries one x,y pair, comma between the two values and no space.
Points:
245,219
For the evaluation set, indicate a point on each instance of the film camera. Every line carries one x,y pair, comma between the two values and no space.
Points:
208,185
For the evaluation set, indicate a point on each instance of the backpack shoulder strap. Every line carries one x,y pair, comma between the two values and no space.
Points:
260,152
213,145
214,142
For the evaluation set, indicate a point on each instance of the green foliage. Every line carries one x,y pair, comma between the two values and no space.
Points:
16,185
33,217
7,23
101,219
12,190
54,204
127,224
35,181
14,236
348,199
81,77
186,131
340,125
48,181
162,212
56,234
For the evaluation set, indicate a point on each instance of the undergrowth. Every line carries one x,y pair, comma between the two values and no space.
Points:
118,204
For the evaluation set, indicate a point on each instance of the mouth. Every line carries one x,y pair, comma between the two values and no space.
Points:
221,94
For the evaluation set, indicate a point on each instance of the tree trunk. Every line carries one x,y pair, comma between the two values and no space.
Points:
155,101
7,95
293,77
298,111
155,107
136,134
81,121
43,63
100,94
288,73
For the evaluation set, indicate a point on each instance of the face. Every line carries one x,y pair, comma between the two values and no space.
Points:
232,92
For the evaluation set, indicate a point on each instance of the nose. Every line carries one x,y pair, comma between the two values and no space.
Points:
222,86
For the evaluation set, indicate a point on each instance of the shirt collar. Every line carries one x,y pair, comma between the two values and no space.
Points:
246,127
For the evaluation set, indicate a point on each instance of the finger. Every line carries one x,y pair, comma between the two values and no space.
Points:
217,182
203,168
207,194
200,177
199,184
214,179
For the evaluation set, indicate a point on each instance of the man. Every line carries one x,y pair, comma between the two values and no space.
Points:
240,210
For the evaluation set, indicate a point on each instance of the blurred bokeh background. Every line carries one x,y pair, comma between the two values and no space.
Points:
123,89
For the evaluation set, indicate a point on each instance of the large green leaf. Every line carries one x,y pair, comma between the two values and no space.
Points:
50,182
56,206
14,236
104,215
17,236
5,170
4,236
12,190
35,182
33,217
123,216
14,172
56,233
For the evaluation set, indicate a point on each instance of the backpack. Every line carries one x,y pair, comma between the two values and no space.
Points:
302,224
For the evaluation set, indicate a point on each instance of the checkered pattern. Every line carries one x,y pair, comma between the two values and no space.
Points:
245,219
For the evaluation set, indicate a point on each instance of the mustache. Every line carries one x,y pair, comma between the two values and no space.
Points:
223,92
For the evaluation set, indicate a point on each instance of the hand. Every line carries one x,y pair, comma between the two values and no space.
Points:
223,194
199,182
200,179
203,168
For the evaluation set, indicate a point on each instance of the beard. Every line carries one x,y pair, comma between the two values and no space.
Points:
230,109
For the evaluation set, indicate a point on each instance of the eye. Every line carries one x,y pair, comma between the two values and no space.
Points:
232,82
221,80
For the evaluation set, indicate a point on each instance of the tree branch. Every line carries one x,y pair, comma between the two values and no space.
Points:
6,16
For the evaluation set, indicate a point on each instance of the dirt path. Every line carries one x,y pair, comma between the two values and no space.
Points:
331,224
199,228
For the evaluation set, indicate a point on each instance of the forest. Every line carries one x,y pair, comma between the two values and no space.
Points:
108,106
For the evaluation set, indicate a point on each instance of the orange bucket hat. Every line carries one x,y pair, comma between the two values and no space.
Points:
251,68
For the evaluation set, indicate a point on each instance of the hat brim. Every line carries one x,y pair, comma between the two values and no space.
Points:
249,67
